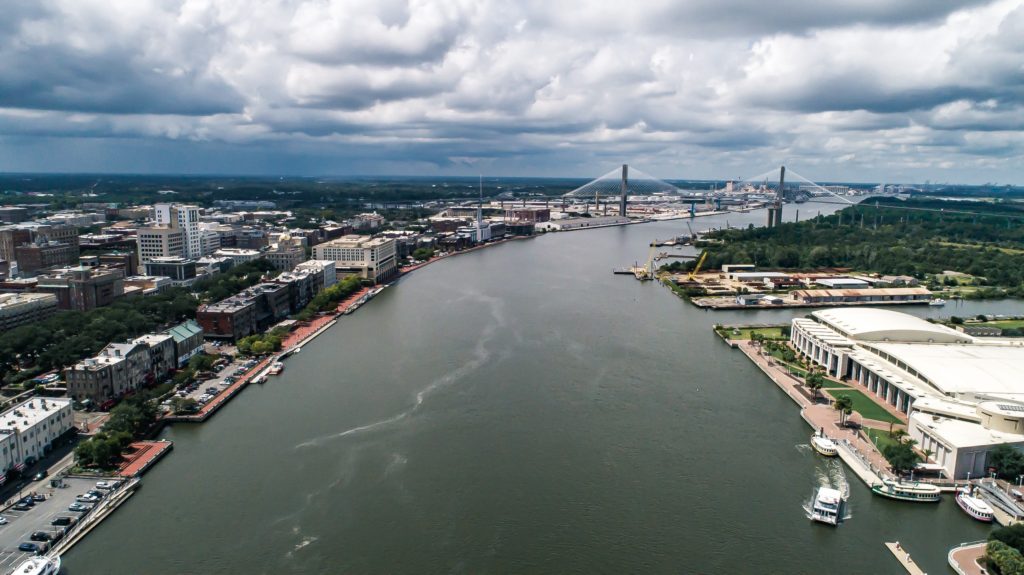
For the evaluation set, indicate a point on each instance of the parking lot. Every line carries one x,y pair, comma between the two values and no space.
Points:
202,391
21,524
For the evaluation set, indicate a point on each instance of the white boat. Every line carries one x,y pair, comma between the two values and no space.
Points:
276,368
917,492
974,506
823,445
40,565
937,302
828,506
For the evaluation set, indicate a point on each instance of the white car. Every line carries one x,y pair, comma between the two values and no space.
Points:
106,484
3,520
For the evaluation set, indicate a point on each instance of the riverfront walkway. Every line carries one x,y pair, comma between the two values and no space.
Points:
141,455
964,558
821,416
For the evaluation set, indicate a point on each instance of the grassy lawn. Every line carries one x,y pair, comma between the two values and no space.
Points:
746,332
1003,324
835,385
880,437
865,406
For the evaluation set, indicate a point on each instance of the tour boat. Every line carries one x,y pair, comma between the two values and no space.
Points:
937,302
38,566
828,506
823,445
919,492
974,506
276,368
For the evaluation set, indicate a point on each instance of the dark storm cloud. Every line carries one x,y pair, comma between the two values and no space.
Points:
695,86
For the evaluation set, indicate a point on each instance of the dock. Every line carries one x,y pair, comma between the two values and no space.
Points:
856,462
964,558
904,558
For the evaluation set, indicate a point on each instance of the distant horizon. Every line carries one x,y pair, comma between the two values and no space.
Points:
347,177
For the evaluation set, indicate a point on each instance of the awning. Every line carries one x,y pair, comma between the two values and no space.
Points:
929,467
19,466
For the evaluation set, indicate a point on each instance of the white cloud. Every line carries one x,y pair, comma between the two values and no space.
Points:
697,88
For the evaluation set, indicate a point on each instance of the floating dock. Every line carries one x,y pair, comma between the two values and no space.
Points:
904,558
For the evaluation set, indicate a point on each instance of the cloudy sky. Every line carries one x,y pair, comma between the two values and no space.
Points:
863,90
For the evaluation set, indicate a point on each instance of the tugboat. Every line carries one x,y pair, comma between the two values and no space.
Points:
974,506
828,506
823,445
917,492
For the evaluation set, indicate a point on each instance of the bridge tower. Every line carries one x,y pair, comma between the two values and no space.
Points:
625,190
775,208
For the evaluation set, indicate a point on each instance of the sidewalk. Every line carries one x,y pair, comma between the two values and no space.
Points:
819,415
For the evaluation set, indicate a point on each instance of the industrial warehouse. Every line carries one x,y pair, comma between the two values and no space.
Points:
962,395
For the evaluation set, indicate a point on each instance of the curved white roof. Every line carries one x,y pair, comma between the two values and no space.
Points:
873,324
990,370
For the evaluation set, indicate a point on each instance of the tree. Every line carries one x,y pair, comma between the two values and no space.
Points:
184,405
844,405
1006,559
1007,461
1012,536
901,457
815,381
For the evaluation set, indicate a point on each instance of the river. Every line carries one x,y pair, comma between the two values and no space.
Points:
518,409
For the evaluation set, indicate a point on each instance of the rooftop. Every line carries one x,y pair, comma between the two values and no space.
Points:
872,324
959,369
961,434
25,415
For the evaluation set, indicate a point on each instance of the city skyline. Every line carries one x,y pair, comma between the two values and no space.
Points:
850,91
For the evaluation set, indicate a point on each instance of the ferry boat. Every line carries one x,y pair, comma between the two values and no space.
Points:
823,445
937,302
828,506
276,368
918,492
40,565
974,506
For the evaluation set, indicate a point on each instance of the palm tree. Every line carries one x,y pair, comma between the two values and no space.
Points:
899,434
814,380
844,405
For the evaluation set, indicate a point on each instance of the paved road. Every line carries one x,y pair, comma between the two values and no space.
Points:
21,524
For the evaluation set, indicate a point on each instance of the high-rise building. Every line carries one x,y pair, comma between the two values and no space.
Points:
160,242
287,253
183,217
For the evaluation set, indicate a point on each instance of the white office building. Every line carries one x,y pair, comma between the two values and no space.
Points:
185,218
28,430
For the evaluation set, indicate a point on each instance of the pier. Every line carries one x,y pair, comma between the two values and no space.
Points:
904,558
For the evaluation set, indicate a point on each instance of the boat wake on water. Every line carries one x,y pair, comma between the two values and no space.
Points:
829,473
481,355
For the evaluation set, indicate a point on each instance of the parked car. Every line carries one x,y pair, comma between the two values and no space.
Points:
39,476
3,520
33,547
38,497
40,536
21,506
27,500
86,498
79,507
96,494
64,521
107,484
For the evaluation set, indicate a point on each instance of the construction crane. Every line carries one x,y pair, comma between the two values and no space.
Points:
647,272
696,268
